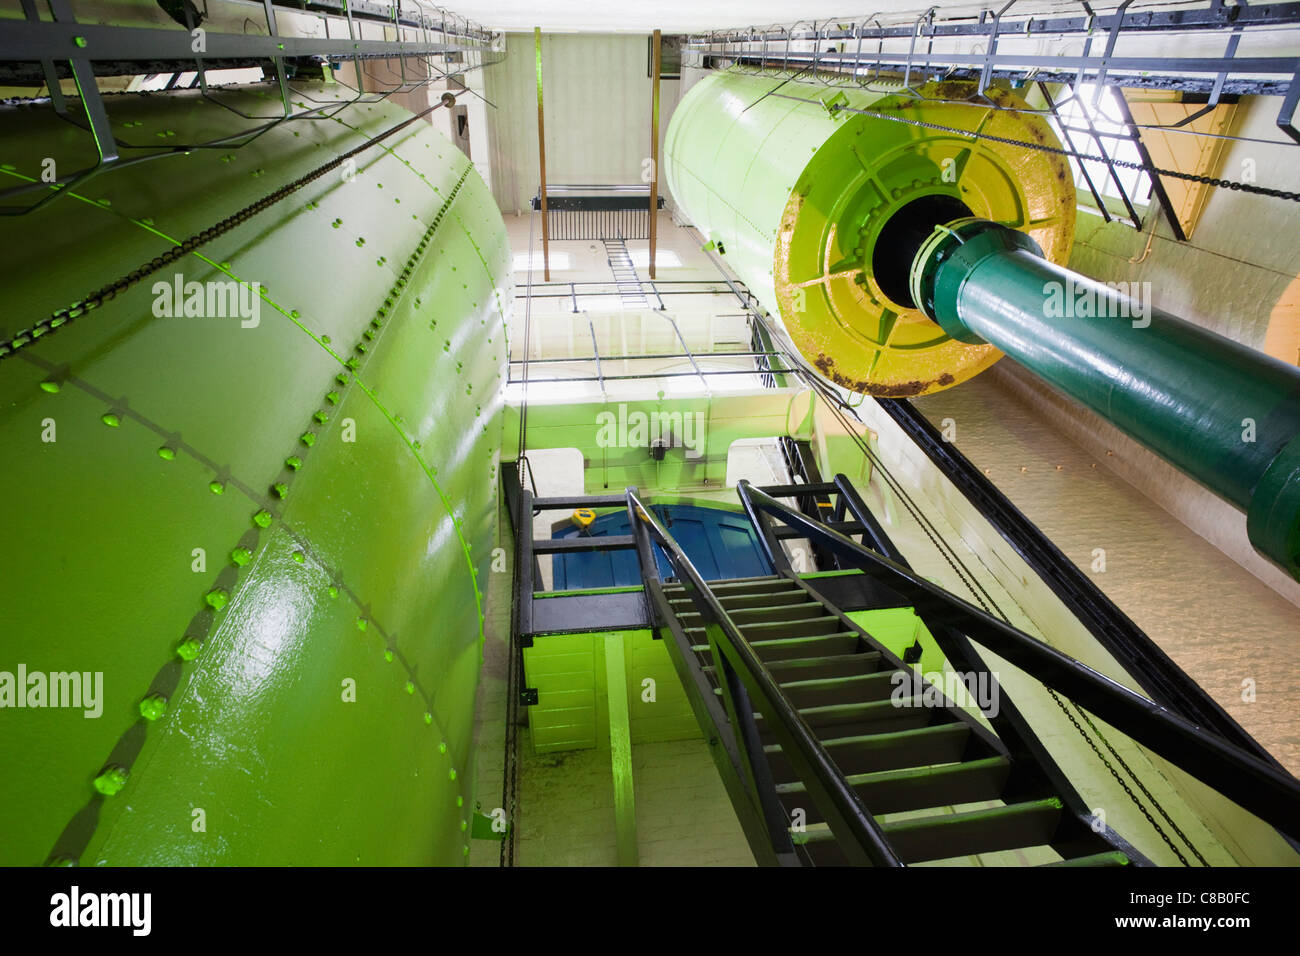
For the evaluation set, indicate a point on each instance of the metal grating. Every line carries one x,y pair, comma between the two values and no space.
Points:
597,213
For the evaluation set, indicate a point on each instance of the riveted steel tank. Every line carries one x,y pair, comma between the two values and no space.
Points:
806,198
251,495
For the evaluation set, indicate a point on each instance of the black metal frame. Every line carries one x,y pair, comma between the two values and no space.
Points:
746,686
772,48
1257,786
1098,200
111,49
746,683
742,763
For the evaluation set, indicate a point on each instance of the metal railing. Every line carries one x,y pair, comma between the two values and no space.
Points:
746,683
1256,786
596,212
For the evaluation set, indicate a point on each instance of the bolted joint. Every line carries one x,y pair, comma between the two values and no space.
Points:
947,257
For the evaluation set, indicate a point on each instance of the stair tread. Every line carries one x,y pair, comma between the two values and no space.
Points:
774,624
728,582
889,749
948,820
908,789
827,718
746,601
795,663
942,821
744,614
874,677
1111,858
761,607
774,641
905,773
879,740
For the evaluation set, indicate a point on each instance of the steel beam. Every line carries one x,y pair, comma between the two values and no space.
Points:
1215,15
58,40
541,158
654,147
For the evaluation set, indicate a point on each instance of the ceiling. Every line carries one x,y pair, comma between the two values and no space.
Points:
642,16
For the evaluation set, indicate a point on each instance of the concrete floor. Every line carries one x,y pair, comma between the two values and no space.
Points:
683,815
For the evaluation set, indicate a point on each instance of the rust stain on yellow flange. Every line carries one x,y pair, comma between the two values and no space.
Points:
859,177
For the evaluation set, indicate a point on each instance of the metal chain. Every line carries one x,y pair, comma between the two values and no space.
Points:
1138,780
1114,773
510,775
1082,157
65,316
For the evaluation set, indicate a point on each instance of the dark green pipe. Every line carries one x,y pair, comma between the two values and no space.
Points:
1223,413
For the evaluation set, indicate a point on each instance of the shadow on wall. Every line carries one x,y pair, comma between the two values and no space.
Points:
1282,340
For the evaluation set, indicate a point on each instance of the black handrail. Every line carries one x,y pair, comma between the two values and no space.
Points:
749,762
856,831
1256,786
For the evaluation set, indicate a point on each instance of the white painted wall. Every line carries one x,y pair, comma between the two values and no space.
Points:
597,112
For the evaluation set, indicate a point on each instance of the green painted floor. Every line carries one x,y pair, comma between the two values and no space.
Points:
683,817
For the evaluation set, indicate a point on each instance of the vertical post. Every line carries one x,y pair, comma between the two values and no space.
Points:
874,537
620,748
768,541
273,30
541,157
644,551
655,45
524,582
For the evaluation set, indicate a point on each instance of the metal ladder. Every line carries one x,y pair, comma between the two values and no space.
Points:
626,280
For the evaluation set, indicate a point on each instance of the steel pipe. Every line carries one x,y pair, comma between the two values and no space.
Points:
1225,414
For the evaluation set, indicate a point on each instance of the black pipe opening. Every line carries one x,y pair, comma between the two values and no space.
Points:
901,239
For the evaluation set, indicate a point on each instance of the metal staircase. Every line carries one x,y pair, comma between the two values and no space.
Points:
898,751
836,751
833,747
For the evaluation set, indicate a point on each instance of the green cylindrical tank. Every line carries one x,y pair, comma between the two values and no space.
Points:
1223,413
799,193
260,524
903,259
